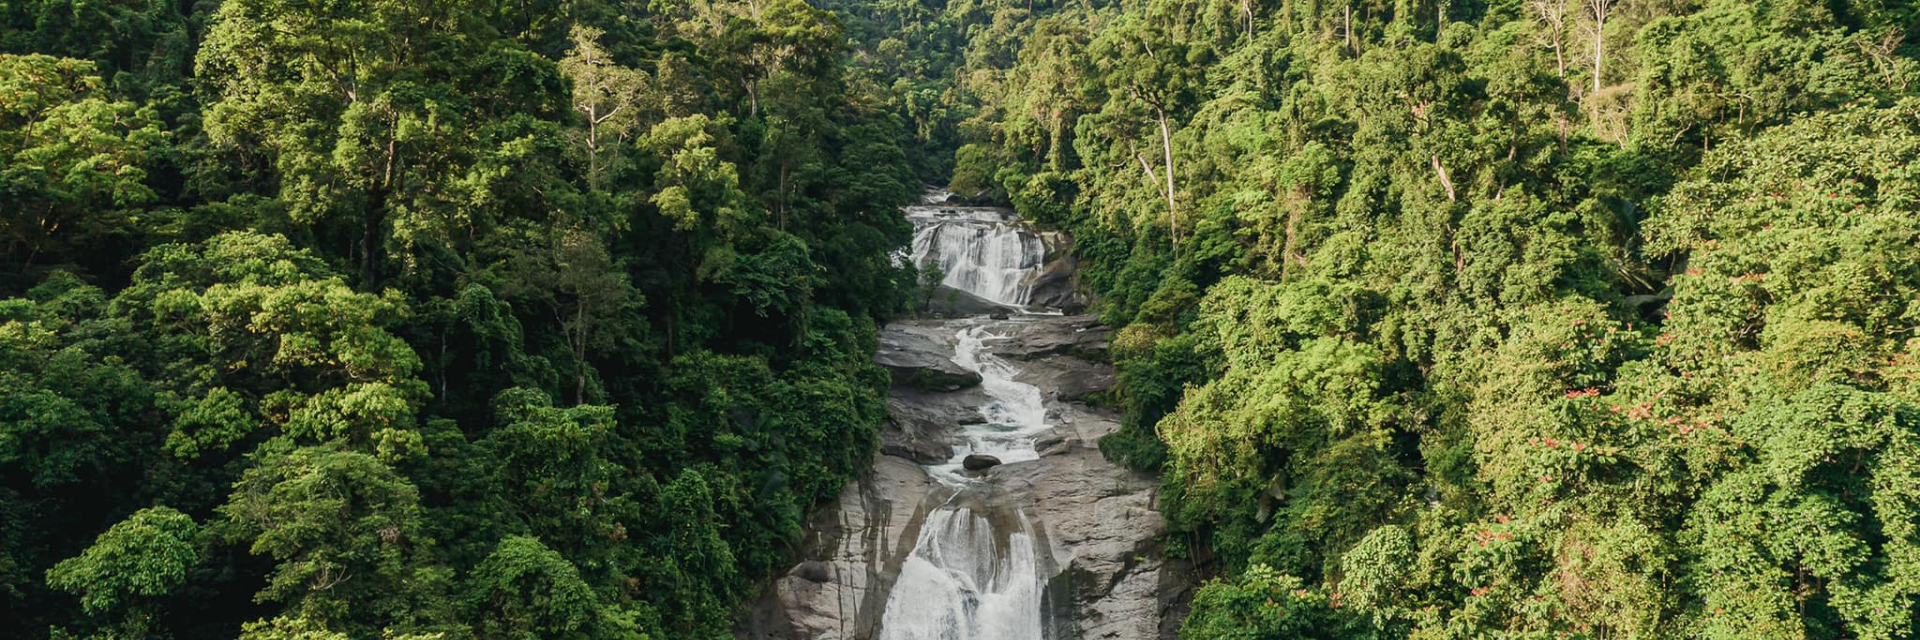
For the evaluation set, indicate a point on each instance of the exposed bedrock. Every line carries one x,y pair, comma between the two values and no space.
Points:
1056,284
854,550
922,359
1099,525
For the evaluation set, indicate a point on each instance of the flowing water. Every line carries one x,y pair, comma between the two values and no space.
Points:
980,566
979,250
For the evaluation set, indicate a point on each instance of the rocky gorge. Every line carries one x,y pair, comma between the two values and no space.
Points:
989,513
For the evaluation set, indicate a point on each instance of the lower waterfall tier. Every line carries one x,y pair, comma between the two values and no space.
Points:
970,577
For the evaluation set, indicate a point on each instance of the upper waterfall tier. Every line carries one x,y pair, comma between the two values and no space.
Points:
983,251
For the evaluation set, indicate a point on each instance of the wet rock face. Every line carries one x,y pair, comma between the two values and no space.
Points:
1100,524
1056,285
948,302
854,550
921,359
921,424
1106,531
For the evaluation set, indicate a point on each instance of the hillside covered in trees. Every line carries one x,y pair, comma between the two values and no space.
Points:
409,319
429,319
1483,319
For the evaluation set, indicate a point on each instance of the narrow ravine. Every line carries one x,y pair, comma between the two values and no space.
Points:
990,514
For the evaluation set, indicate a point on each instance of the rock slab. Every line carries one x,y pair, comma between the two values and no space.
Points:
855,547
922,360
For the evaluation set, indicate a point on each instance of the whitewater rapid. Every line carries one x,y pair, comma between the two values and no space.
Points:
980,250
978,570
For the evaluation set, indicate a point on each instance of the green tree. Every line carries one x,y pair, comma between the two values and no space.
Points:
524,590
73,161
249,316
1266,605
553,470
130,567
349,108
346,535
611,100
574,276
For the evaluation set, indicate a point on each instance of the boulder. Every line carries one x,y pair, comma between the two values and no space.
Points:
815,571
979,462
921,360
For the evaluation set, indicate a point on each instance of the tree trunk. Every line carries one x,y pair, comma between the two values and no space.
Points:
784,168
593,158
580,377
376,218
1552,17
1599,54
370,240
1600,10
1444,180
1166,146
1347,26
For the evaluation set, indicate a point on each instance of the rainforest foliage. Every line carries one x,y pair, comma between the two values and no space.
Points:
550,319
1482,318
397,319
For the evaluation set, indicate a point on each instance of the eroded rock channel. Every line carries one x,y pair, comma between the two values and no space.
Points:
1049,541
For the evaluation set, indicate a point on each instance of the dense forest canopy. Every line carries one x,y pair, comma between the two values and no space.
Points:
552,319
1464,319
404,319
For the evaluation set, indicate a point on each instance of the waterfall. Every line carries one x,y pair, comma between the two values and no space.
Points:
968,580
980,250
979,569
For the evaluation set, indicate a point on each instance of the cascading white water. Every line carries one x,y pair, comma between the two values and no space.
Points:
966,580
979,568
976,572
1015,413
979,250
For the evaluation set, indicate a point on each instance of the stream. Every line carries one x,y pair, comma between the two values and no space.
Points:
972,576
1044,541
